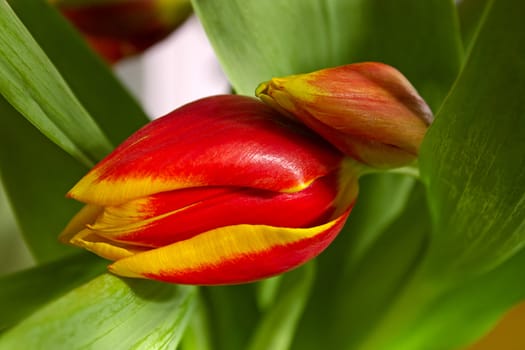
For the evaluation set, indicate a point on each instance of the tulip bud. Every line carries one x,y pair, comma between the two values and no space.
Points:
117,29
223,190
369,111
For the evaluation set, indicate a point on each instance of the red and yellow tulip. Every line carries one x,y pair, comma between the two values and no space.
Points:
227,190
223,190
117,29
369,110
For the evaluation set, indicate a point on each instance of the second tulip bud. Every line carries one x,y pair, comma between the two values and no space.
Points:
369,110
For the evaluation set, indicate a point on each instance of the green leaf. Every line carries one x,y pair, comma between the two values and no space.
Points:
256,40
473,156
91,80
472,163
470,12
14,256
36,174
34,87
107,313
23,292
277,326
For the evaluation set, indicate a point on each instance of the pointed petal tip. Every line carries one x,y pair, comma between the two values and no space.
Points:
122,271
102,247
85,216
261,88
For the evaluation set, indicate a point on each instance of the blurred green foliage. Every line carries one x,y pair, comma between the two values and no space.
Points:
14,255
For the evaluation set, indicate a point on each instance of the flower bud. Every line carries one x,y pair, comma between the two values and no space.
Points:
370,111
223,190
117,29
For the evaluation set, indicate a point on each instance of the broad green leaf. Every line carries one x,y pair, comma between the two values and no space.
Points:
108,313
34,87
90,79
470,12
256,40
36,174
277,326
472,163
23,292
474,154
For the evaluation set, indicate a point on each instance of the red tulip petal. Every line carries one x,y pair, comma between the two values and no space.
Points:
232,254
225,140
169,217
117,29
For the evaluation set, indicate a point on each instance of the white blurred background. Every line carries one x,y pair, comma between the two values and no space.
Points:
180,69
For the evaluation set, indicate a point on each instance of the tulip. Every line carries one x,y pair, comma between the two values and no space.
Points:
369,111
117,29
223,190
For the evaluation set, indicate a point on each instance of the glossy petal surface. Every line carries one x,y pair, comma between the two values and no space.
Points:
223,140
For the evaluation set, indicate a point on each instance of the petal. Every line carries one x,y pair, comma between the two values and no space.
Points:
87,215
225,140
233,254
169,217
117,29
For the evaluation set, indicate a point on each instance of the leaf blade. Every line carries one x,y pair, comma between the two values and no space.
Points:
23,292
101,314
35,88
112,107
472,161
36,174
